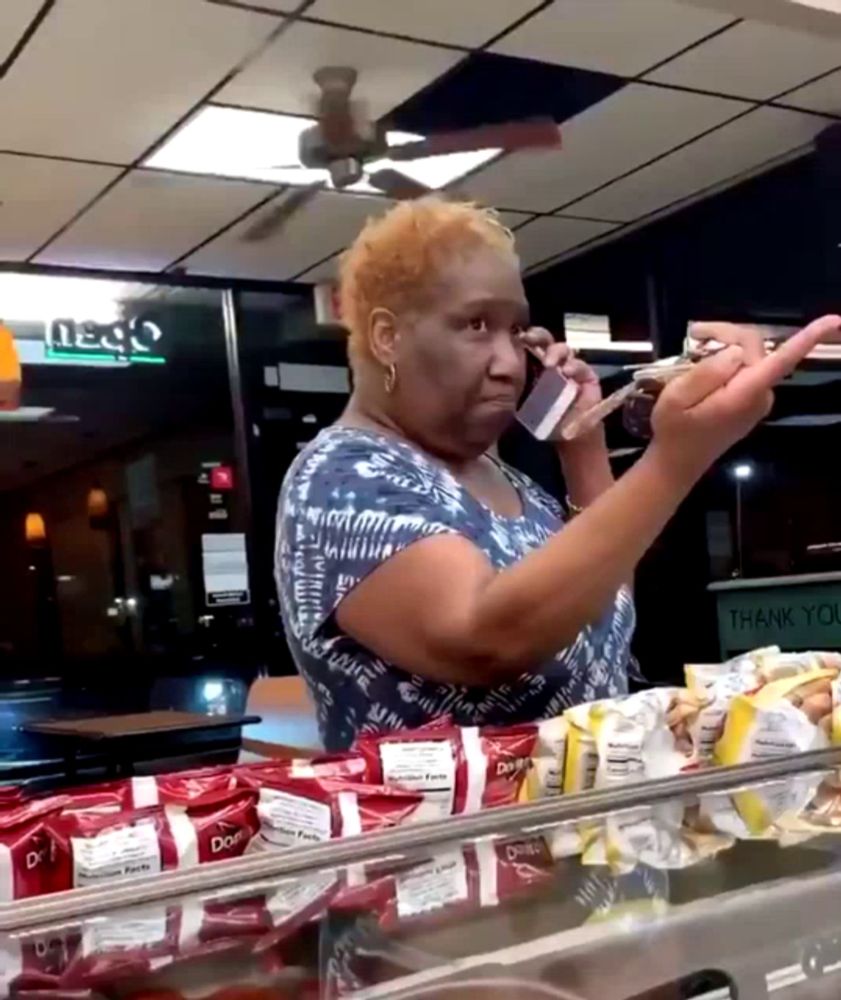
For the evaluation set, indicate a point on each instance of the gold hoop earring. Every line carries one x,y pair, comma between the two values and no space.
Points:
390,378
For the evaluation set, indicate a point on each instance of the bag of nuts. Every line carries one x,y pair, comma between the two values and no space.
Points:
790,715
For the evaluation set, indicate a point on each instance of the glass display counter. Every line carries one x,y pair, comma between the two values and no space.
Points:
716,884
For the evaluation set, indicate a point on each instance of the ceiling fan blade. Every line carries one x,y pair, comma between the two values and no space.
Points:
538,133
286,166
397,185
275,218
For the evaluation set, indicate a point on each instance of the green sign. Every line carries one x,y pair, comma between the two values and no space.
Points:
794,616
132,341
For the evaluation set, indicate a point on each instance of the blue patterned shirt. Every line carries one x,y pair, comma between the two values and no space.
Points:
352,499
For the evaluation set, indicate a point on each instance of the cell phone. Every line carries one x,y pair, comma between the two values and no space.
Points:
547,403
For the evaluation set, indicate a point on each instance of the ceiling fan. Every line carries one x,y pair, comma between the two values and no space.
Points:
345,142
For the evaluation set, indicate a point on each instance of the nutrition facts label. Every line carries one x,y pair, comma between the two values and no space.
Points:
121,853
287,820
423,766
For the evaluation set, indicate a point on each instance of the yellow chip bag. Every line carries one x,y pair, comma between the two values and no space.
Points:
546,775
582,758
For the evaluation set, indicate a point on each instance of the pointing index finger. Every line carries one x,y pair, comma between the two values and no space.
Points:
775,367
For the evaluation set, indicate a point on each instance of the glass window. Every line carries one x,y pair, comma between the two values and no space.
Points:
122,519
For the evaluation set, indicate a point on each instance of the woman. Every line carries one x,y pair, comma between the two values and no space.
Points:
418,575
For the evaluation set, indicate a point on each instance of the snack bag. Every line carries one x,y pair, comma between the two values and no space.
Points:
180,788
634,740
214,827
582,758
460,770
704,721
786,716
699,676
97,848
292,811
348,766
545,778
507,753
774,665
28,851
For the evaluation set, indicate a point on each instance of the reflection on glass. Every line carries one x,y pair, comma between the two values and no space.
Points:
682,898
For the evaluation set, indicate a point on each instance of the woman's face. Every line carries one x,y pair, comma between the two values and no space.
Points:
461,363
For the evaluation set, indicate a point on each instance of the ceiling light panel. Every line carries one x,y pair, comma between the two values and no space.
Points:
262,146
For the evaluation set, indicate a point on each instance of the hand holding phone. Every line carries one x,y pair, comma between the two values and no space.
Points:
547,402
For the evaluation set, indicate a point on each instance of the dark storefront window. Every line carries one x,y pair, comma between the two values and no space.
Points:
122,521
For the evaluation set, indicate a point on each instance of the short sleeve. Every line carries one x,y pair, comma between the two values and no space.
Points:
345,508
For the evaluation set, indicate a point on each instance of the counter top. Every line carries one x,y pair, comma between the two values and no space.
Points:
774,581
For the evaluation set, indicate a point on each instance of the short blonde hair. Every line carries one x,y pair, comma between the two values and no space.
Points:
395,260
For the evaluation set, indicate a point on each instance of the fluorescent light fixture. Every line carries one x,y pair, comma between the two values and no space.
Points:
258,145
833,6
39,297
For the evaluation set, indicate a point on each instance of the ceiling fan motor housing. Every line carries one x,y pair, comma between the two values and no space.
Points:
316,153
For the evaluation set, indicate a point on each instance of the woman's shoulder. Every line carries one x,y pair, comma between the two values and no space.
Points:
349,464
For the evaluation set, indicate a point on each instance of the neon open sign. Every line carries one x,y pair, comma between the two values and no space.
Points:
133,341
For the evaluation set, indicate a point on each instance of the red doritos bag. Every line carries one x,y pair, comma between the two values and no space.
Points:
215,827
347,766
293,811
95,848
28,850
461,770
180,788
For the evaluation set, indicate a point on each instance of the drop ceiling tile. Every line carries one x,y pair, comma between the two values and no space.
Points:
323,226
822,95
752,60
328,270
40,196
390,70
15,17
634,125
551,235
468,22
151,218
616,36
726,153
103,80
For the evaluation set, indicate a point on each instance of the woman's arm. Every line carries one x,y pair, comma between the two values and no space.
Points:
440,609
586,468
